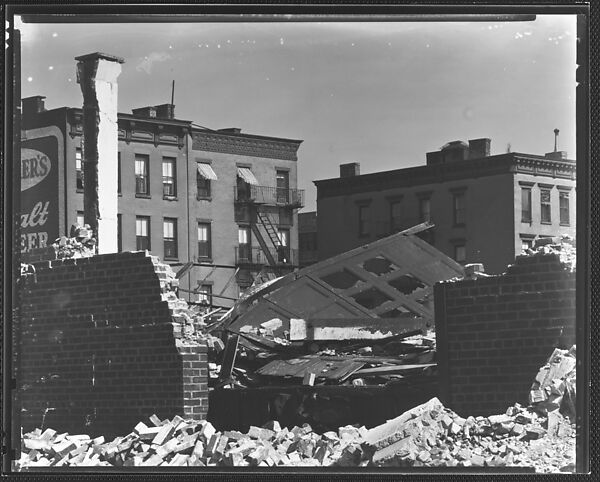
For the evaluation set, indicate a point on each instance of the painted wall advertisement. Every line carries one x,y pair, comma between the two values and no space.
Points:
39,192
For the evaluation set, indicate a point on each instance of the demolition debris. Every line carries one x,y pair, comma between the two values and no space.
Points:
428,435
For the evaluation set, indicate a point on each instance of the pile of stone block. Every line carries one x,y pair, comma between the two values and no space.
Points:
80,244
180,442
554,386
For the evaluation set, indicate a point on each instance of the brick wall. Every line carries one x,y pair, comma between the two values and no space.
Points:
493,334
100,350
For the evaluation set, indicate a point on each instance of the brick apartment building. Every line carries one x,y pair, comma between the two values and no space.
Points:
485,208
223,199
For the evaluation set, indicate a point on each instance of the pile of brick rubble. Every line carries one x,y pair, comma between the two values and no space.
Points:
563,246
541,435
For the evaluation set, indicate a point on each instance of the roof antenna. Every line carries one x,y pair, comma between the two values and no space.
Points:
172,99
556,131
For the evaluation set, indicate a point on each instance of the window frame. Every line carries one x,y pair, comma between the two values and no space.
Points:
79,182
282,192
147,220
172,162
173,240
526,214
207,242
144,159
458,246
459,213
202,180
205,289
566,195
363,216
395,222
546,206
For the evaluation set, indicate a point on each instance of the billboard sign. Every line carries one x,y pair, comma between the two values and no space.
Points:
40,187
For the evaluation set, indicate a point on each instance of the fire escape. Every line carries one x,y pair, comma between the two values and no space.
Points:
261,209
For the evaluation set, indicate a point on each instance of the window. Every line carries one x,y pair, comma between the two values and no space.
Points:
204,240
526,243
79,168
142,179
459,208
460,253
203,184
142,233
283,250
395,216
546,210
80,218
363,220
563,198
283,186
205,294
170,237
119,233
525,204
119,173
169,178
244,243
424,209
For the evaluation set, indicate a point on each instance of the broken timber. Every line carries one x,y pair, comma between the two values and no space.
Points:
352,329
391,278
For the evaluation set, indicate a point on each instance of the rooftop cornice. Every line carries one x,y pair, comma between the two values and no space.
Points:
472,168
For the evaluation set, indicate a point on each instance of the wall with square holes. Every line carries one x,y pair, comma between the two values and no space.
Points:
99,350
493,334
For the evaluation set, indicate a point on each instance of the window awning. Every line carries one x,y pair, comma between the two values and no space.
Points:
206,171
247,176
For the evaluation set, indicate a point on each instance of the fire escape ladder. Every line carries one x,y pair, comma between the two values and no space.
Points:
263,245
271,231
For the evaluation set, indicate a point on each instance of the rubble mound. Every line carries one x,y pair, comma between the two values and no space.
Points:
80,244
541,436
562,246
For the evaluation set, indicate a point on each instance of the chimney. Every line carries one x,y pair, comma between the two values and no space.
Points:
165,111
350,170
149,111
32,105
434,157
455,151
556,155
97,76
479,148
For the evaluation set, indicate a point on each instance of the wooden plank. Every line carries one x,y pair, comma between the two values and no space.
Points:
352,329
388,370
229,357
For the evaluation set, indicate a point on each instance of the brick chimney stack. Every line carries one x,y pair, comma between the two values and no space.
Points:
97,76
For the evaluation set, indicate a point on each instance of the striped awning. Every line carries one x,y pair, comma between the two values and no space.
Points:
247,176
206,171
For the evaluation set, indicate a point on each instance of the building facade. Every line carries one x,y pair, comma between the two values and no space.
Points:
221,199
484,208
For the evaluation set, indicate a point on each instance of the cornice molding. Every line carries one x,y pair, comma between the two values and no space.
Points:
245,146
511,163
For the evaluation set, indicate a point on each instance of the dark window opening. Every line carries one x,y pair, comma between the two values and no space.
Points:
169,177
341,279
142,233
371,298
459,208
378,265
363,220
79,168
546,209
142,178
170,237
525,205
564,208
406,284
204,240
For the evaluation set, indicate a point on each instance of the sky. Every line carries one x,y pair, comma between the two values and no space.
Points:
378,93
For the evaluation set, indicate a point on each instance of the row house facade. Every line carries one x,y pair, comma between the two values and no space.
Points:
221,204
485,208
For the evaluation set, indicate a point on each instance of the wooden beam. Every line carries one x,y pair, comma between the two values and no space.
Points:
392,369
352,329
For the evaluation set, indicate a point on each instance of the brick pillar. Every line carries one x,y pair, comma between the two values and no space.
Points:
97,75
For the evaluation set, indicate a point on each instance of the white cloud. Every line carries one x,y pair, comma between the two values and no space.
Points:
148,61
